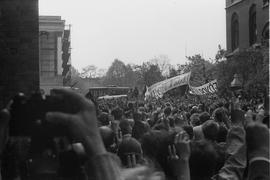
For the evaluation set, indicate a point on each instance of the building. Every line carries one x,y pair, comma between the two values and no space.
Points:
247,24
19,52
54,55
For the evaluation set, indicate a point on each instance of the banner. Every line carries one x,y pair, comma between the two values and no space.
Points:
157,90
209,88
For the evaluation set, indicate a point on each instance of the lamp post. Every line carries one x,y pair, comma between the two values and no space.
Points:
236,84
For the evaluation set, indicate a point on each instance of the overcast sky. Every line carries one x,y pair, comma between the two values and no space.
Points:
138,30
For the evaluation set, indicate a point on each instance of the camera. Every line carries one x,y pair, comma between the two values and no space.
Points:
28,115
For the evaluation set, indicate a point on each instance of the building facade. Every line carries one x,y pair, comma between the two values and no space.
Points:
247,24
19,52
54,42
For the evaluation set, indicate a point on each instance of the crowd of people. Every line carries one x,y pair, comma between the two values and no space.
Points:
170,138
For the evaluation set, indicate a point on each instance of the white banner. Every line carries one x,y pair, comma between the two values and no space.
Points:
209,88
157,90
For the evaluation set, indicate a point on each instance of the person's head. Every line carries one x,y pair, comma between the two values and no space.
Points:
103,118
204,116
201,107
117,113
155,148
202,161
189,131
167,111
219,115
195,119
138,116
107,136
128,147
210,130
130,105
125,127
194,109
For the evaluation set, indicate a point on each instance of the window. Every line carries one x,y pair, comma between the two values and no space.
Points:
234,31
252,25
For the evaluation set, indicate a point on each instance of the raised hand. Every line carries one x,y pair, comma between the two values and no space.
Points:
182,145
179,154
172,153
131,160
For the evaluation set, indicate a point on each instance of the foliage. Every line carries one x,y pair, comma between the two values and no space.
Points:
163,62
89,71
202,71
251,64
150,74
120,74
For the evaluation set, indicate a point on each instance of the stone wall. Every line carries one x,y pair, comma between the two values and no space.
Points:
241,8
19,52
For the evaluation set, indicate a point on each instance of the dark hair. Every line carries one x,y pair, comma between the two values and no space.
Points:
189,131
129,146
125,127
202,161
117,113
104,119
195,120
210,130
155,147
167,111
204,116
107,136
219,114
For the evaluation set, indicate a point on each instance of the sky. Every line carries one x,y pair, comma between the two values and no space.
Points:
135,31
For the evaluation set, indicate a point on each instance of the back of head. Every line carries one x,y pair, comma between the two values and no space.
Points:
137,116
195,119
104,119
155,148
219,114
202,161
107,136
189,131
125,127
204,116
167,111
127,147
210,130
117,113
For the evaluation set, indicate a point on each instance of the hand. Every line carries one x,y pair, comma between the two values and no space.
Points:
83,124
179,154
172,153
182,145
257,137
131,160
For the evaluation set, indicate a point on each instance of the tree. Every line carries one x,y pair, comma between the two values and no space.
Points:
202,71
149,73
173,72
120,74
163,62
89,71
101,72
